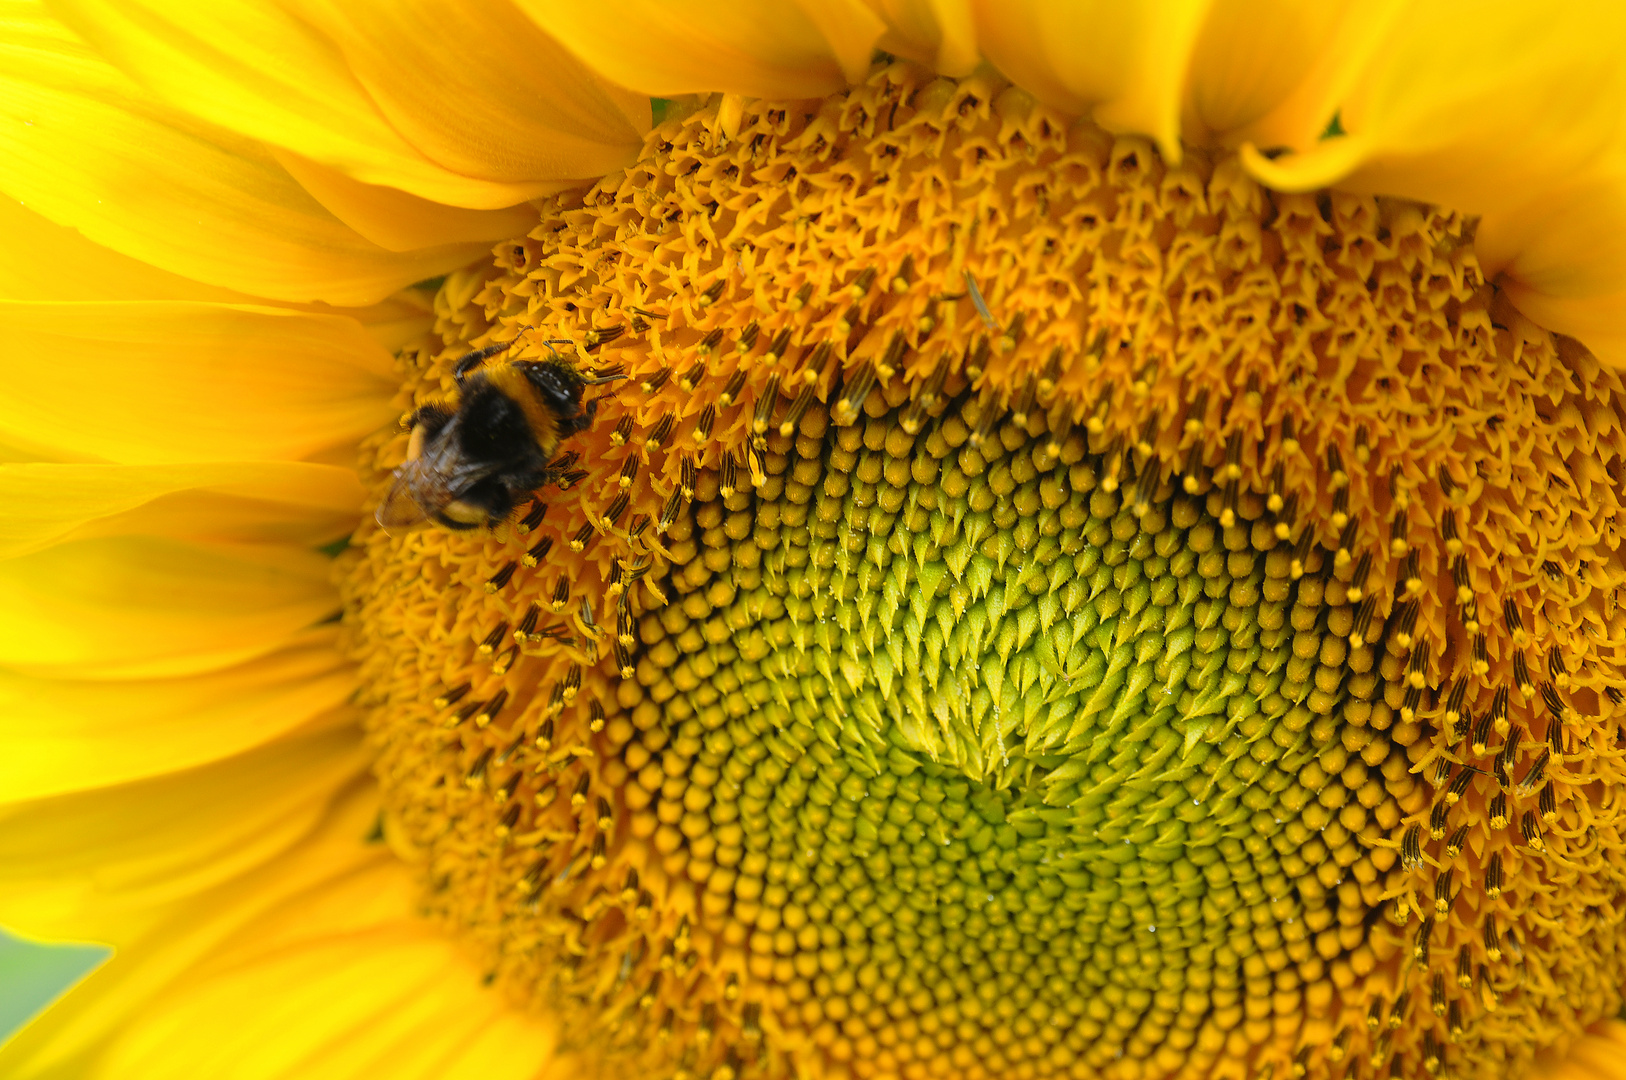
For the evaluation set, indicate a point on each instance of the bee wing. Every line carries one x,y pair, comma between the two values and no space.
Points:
400,510
425,485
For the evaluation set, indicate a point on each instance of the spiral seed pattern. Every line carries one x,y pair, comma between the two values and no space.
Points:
1024,608
993,766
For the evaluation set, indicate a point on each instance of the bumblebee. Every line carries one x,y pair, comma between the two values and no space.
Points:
470,460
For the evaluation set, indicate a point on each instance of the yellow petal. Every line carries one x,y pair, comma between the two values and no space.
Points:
40,260
158,946
1598,1054
397,1001
67,735
403,317
99,863
1561,257
1469,105
480,90
146,607
939,33
802,49
258,70
178,382
295,503
1125,64
399,221
1508,111
312,965
850,30
1274,72
1269,71
82,145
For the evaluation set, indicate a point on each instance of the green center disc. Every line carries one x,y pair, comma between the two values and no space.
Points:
977,753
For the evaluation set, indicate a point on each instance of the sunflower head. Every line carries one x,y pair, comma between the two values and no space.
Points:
1092,570
1029,608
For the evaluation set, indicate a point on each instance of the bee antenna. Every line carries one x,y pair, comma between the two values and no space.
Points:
549,343
469,361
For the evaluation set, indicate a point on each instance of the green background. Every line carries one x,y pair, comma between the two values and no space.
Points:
31,976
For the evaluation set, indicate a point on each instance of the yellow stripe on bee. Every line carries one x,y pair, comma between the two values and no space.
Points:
543,420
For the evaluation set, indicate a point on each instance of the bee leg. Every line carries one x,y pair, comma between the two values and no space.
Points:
553,477
585,420
472,360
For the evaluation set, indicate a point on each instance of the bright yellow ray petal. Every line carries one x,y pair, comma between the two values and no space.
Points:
850,30
401,1000
68,735
502,1043
95,864
400,221
312,965
939,33
480,90
397,1001
41,260
1273,72
140,607
1599,1054
297,509
1125,64
402,317
82,145
1471,104
1562,256
296,503
1512,112
259,70
1267,70
157,946
177,382
800,49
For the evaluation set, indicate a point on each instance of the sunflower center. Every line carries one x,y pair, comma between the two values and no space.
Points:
1023,608
991,765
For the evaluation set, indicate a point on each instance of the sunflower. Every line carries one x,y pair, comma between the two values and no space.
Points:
1095,555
